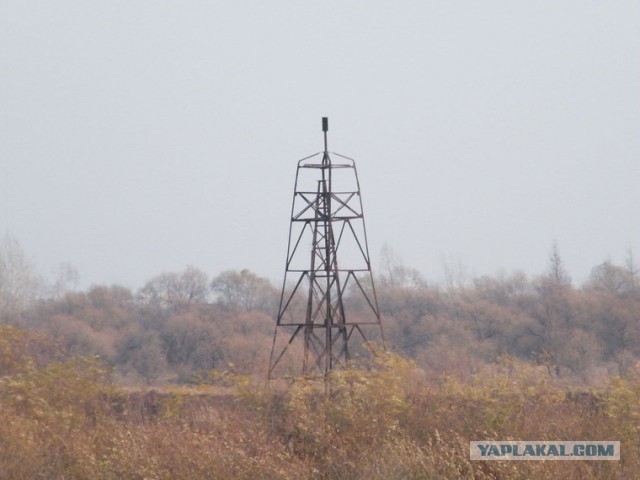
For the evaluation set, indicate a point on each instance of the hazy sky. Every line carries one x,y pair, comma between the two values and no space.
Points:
142,136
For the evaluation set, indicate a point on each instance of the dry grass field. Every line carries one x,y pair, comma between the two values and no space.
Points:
64,418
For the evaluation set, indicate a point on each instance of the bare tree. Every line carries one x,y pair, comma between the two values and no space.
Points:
611,278
395,274
66,280
19,284
557,271
632,270
456,274
173,289
244,290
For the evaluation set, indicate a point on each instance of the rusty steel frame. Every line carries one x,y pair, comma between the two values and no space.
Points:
330,218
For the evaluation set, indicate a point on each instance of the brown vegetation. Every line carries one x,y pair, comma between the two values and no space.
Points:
64,418
166,383
169,332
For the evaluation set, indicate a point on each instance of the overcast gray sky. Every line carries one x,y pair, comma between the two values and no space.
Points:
142,136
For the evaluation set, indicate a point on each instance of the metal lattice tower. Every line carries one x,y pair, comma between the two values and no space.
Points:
328,294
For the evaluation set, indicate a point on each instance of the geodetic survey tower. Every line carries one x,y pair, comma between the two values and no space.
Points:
328,311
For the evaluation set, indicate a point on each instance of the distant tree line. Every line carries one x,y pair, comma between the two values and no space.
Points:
182,325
